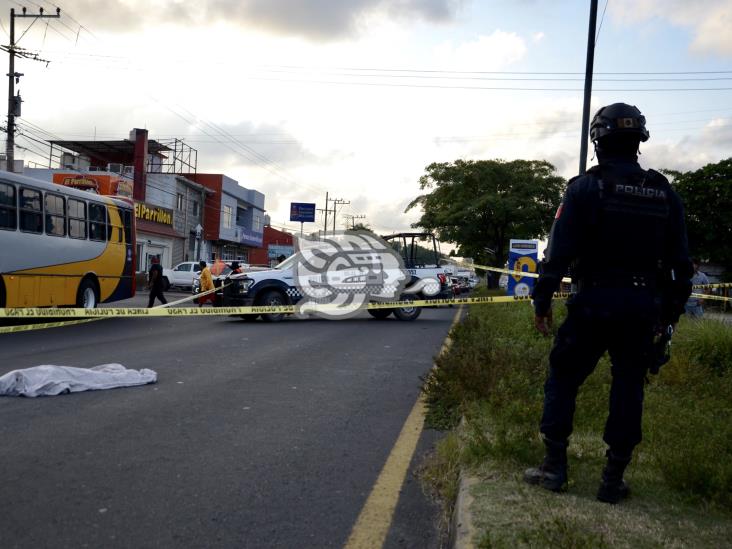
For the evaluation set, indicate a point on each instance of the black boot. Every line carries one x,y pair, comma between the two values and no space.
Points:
613,488
552,473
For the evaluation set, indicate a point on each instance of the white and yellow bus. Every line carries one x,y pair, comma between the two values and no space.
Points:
63,247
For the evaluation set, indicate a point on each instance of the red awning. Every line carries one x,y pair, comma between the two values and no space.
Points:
156,228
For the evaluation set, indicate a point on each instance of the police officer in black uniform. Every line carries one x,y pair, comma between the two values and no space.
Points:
620,230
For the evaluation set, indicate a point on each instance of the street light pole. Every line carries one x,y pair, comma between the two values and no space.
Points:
588,86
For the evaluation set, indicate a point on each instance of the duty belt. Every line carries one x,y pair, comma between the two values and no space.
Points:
619,281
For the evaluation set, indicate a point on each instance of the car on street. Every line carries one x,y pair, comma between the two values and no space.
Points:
426,279
181,276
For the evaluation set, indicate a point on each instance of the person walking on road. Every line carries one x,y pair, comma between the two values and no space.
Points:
155,283
695,305
622,229
206,285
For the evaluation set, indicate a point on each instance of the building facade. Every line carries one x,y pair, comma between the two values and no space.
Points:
275,244
179,216
234,222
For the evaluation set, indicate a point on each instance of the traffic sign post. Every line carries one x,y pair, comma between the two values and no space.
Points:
302,212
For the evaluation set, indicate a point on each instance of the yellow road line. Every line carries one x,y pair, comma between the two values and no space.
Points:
375,519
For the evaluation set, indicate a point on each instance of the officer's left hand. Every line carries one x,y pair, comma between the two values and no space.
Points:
544,323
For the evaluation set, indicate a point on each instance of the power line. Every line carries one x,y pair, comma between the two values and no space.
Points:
302,67
75,21
151,183
243,151
597,36
163,137
436,73
497,76
258,158
484,88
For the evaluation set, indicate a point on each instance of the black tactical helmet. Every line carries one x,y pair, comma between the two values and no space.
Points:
618,119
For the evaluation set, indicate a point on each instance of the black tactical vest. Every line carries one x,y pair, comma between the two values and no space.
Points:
627,227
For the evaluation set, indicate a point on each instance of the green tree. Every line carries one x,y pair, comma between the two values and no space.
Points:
362,227
481,204
707,197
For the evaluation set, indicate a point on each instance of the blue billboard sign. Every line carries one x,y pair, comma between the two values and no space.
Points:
304,212
523,256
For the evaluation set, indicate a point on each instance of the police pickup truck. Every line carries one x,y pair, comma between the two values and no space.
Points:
426,279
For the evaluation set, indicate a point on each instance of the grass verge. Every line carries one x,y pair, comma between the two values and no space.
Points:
681,475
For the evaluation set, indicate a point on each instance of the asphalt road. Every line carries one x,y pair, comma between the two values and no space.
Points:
256,435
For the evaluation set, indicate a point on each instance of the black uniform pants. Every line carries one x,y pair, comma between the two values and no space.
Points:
621,322
156,291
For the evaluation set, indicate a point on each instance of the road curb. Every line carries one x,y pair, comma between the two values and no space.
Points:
462,530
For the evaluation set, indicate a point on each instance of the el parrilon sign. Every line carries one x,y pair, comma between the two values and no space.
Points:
155,214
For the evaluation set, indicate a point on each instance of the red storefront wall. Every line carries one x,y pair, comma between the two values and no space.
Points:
258,256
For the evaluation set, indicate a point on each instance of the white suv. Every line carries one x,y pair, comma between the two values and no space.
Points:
181,275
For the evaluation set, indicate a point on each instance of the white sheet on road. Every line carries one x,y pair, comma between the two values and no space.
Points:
50,380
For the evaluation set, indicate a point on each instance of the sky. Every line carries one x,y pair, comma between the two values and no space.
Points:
296,98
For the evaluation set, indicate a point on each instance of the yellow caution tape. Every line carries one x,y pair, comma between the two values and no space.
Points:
712,296
506,271
91,315
43,325
566,279
110,312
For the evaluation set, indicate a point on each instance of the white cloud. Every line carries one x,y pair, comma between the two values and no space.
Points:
320,20
487,53
537,37
710,20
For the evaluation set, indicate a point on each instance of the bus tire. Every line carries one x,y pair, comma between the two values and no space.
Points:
407,313
2,293
272,297
87,297
380,314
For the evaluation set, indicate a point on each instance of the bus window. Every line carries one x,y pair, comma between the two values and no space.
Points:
55,215
114,232
97,222
77,218
128,226
31,211
8,207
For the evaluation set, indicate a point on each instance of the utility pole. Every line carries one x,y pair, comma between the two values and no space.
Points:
14,101
588,86
336,203
325,225
353,219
